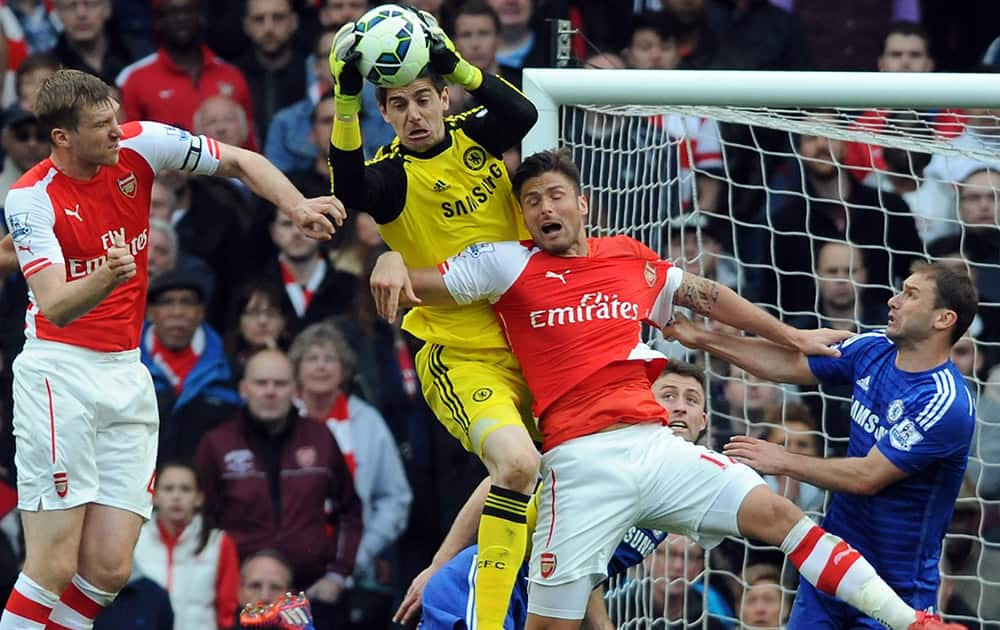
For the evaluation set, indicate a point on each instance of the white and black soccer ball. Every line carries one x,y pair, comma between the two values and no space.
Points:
394,45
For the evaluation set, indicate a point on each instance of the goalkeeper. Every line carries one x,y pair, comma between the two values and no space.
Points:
440,186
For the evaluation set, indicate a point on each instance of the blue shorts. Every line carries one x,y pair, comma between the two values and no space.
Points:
814,610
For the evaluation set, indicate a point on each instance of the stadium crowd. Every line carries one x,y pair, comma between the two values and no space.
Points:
265,344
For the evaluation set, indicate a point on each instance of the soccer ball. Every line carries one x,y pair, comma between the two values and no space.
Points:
394,46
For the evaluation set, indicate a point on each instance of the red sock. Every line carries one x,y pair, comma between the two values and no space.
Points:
79,605
28,606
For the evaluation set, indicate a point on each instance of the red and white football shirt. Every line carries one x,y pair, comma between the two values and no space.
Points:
58,220
574,324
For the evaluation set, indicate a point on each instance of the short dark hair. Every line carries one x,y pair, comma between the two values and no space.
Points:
662,23
64,94
550,161
907,29
953,290
475,7
683,368
37,61
382,94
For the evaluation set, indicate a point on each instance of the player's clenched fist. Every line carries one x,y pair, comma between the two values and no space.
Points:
121,263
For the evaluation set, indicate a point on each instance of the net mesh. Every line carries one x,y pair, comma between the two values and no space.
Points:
815,215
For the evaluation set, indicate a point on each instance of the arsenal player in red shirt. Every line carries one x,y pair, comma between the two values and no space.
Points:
85,419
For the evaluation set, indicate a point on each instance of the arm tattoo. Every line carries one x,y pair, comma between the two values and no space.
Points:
697,293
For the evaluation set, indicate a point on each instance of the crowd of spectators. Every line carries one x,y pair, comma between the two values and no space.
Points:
295,449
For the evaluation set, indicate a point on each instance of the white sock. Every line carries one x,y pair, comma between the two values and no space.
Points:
835,568
80,604
28,606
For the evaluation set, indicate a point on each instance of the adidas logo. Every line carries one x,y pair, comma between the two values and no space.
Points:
440,186
864,382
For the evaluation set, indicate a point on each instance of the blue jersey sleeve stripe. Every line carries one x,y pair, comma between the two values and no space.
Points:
947,391
932,404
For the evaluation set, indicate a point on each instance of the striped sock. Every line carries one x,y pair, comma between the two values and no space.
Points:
28,606
79,605
831,565
503,539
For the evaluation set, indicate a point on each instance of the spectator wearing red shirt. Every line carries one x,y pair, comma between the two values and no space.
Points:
169,85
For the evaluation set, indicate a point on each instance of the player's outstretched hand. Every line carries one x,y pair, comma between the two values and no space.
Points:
347,80
445,58
389,279
121,263
313,215
682,330
765,457
818,342
414,599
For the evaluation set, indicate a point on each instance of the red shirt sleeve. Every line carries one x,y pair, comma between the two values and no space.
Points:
227,584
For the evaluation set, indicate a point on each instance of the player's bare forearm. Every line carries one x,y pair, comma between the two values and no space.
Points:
711,299
761,357
866,475
64,302
721,303
463,529
8,257
428,285
262,177
314,217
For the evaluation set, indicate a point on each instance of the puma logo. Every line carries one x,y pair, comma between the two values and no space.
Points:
559,276
25,248
74,213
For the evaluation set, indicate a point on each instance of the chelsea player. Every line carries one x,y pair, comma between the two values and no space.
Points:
912,424
440,186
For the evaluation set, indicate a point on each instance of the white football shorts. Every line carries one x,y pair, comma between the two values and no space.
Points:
85,428
596,487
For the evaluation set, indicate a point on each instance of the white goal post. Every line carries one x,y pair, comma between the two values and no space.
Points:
549,88
632,133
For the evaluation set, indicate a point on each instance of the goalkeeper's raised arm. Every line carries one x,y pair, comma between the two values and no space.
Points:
416,114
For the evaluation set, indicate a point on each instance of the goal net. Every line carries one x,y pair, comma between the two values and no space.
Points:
810,194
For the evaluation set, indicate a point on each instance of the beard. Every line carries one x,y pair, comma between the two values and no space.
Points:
824,173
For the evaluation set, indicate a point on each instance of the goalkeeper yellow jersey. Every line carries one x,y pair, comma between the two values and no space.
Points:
432,205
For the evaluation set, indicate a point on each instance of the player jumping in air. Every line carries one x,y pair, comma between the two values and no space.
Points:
913,419
446,599
572,308
439,187
85,419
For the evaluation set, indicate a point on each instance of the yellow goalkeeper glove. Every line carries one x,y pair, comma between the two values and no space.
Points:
347,80
445,59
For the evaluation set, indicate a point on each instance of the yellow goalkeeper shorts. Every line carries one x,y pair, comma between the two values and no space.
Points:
475,392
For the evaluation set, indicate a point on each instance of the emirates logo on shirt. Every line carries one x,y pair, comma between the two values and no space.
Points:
592,306
128,185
